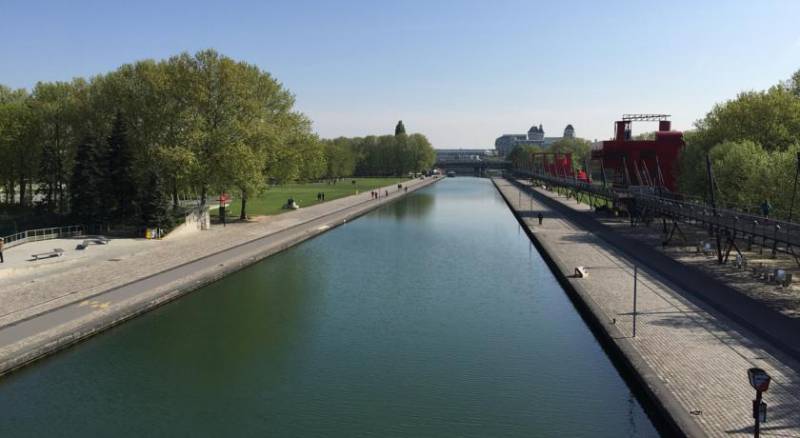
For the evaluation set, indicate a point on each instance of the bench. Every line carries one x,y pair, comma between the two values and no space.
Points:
99,240
56,252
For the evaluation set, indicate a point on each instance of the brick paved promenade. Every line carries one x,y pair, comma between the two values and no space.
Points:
691,358
57,306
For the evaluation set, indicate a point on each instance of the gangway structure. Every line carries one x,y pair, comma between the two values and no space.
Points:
636,178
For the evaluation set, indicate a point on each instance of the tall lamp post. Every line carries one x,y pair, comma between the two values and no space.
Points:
759,380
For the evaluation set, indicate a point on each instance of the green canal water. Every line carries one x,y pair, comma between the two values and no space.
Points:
431,317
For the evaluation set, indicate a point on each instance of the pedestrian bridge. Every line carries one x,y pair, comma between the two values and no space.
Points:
472,167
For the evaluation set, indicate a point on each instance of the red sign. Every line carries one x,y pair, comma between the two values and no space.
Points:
224,198
759,379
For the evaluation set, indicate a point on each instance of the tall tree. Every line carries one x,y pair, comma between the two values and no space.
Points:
85,187
154,202
121,190
56,107
400,129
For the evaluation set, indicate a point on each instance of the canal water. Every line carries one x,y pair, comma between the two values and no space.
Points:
430,317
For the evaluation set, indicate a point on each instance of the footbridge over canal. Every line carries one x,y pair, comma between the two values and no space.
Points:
473,167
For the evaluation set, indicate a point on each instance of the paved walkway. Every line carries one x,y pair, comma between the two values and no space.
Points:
42,314
692,359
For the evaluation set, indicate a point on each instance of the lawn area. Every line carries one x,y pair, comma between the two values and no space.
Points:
271,200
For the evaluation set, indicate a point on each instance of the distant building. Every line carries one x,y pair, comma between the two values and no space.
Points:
535,137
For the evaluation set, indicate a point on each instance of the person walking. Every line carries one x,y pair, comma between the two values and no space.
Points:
387,193
540,216
766,207
323,196
1,250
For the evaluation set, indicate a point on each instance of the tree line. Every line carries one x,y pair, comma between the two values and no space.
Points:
579,148
385,155
121,147
752,142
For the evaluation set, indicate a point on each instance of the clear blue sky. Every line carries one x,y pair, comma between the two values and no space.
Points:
461,72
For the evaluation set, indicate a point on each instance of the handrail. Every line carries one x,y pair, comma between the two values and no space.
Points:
737,223
38,234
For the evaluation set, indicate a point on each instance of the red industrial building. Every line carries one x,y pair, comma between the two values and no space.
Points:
625,162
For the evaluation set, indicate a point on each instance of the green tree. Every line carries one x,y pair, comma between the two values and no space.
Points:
423,156
154,202
55,107
120,182
340,157
520,156
579,148
86,184
177,164
739,171
400,129
770,118
313,161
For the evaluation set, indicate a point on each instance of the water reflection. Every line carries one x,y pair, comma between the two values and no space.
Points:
415,205
431,317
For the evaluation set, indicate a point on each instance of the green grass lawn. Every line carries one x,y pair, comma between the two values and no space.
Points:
272,199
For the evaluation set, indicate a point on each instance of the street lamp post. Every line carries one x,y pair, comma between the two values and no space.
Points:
759,380
635,282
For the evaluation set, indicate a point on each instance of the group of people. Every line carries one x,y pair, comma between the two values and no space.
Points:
320,196
377,194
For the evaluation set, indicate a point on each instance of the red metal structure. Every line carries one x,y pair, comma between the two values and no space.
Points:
628,162
552,163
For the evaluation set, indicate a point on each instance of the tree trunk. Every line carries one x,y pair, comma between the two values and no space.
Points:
174,194
242,215
22,191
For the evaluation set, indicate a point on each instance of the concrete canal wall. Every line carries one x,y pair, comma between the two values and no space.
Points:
689,360
197,262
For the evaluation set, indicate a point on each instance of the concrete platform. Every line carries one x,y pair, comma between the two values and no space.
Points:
689,358
20,266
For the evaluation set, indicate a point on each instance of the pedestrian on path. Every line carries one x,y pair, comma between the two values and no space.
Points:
766,207
540,216
387,193
1,250
323,196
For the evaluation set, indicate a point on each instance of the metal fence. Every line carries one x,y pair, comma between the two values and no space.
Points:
42,234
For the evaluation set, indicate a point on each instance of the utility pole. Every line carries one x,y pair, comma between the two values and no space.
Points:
711,187
759,380
635,281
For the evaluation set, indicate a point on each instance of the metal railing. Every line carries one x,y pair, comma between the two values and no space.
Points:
42,234
781,236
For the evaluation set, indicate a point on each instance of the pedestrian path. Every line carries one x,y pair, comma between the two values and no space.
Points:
692,359
70,304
